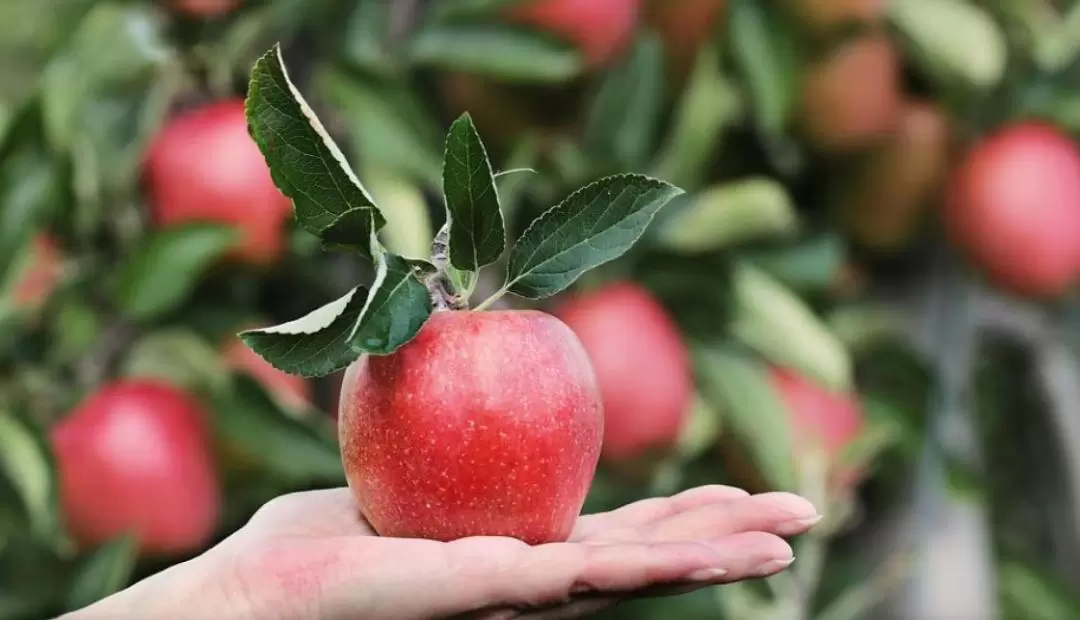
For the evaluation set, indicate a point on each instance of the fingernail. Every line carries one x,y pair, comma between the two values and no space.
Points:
707,574
798,526
773,566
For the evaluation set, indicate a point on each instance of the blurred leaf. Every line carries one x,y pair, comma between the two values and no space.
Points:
105,571
1029,594
165,270
456,9
728,214
700,431
177,355
387,124
1058,48
623,117
477,232
27,463
297,449
367,32
751,411
779,325
306,164
408,231
594,225
32,581
512,187
955,39
500,51
31,31
811,264
709,104
397,307
76,328
763,47
316,344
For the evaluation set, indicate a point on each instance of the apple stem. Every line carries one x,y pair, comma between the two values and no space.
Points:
490,301
444,295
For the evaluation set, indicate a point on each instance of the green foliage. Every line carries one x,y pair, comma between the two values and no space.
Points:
477,232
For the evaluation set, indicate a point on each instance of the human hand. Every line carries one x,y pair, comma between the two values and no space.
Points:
310,556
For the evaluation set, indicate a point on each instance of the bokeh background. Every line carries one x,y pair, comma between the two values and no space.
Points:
868,294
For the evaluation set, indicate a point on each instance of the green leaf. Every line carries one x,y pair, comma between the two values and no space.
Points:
306,164
763,48
177,355
477,232
27,463
397,307
106,571
387,124
775,322
500,51
953,39
163,273
596,224
752,412
623,118
316,344
297,449
729,214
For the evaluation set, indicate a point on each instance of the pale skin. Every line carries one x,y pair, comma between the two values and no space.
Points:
310,556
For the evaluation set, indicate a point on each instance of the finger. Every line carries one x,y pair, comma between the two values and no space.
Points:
783,514
653,509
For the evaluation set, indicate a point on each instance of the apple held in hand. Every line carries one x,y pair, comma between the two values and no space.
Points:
1014,209
134,457
204,166
487,423
599,28
641,364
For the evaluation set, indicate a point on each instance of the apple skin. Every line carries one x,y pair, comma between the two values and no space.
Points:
642,366
600,29
485,424
135,456
204,166
684,26
204,8
886,201
1014,209
851,98
36,283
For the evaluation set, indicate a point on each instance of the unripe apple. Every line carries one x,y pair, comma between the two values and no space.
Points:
1014,209
204,166
599,28
822,423
204,8
642,366
292,391
135,457
885,203
826,16
851,97
486,423
42,273
684,26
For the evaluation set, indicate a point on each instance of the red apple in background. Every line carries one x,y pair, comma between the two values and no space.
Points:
1014,208
825,16
599,28
292,391
641,364
204,166
42,273
204,8
851,97
135,457
684,26
820,420
486,423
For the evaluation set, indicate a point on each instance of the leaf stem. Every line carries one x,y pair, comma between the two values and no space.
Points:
490,301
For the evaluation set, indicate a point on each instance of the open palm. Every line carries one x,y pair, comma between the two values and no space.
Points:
310,556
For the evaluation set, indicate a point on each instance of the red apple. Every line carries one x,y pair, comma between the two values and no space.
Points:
820,420
204,8
135,457
851,98
486,423
599,28
43,271
204,166
825,16
684,26
1014,208
641,364
292,391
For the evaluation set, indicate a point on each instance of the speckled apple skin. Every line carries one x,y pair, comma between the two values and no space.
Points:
485,424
